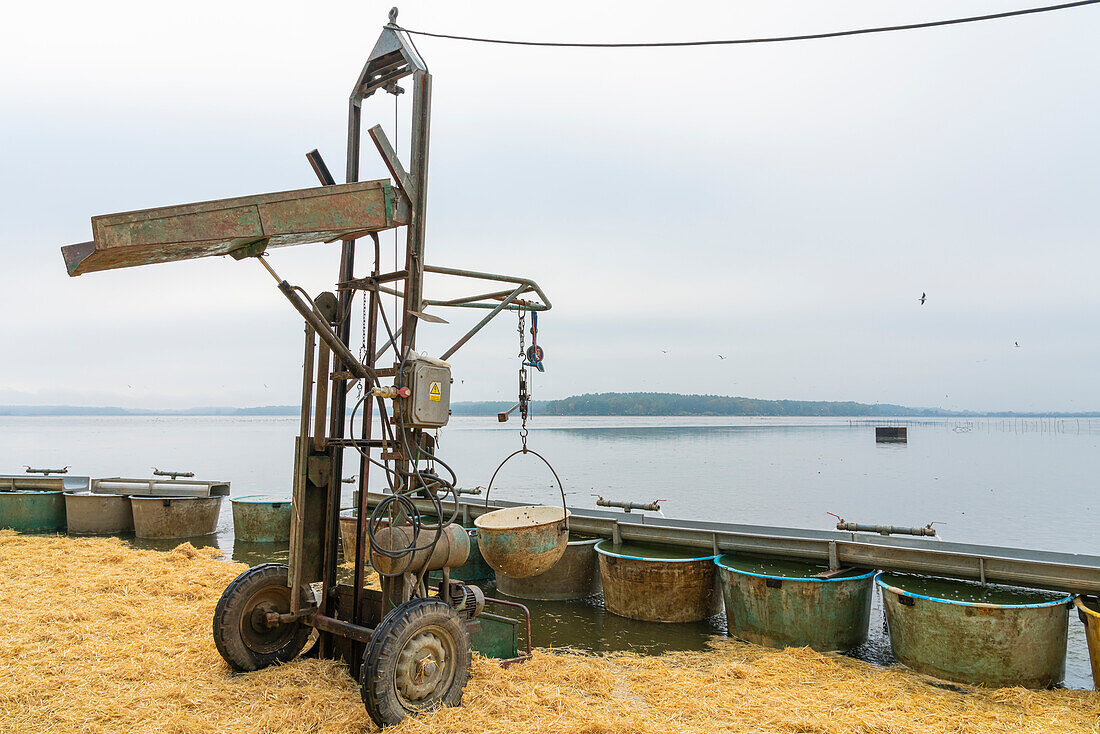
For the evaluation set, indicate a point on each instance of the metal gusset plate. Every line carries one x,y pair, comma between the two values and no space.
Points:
245,225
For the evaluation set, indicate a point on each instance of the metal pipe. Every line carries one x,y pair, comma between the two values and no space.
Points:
628,506
855,527
319,414
301,462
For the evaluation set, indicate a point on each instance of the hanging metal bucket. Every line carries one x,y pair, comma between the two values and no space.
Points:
523,541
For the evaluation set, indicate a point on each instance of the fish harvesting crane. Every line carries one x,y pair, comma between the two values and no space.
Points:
408,642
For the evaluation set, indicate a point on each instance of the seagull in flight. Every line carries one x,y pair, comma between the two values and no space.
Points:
721,356
1017,345
664,351
923,296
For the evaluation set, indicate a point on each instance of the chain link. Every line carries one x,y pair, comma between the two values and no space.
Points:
363,345
522,332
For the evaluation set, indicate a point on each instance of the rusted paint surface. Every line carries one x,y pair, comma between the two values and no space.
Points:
827,615
986,644
98,514
523,541
575,576
171,233
258,519
32,511
1089,612
175,517
659,590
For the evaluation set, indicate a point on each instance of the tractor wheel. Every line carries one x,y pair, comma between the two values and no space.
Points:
242,633
417,660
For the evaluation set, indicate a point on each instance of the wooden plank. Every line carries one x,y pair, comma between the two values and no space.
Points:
209,228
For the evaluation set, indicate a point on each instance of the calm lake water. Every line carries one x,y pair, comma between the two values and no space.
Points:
1025,482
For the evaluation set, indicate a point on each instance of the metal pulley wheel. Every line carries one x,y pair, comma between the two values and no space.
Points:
242,632
418,659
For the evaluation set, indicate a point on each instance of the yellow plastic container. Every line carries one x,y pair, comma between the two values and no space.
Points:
1089,612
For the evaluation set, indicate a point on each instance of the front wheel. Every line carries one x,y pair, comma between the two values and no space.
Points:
242,633
418,659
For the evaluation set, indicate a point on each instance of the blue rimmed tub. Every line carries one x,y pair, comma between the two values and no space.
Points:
785,603
967,632
657,583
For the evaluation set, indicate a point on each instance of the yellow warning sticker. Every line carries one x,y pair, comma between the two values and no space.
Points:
433,392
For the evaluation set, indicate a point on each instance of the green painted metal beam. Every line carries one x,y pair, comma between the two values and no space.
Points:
248,224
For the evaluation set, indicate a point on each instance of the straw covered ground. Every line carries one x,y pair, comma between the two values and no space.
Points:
99,637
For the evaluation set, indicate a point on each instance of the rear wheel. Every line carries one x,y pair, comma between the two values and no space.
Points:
242,632
418,659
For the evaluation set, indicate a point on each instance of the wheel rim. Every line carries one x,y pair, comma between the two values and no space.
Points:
259,636
425,667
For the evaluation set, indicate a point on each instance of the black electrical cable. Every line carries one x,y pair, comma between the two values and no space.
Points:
772,39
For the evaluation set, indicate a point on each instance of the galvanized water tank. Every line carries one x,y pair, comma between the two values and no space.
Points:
98,514
175,517
261,518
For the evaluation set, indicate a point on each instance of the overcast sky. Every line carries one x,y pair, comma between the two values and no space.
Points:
782,205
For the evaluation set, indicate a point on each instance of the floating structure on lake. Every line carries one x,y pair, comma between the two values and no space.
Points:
576,575
655,583
261,518
787,603
891,434
973,633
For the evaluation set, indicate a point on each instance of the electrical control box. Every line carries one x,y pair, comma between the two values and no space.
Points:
429,401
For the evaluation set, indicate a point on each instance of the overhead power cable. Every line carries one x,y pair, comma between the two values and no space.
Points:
772,39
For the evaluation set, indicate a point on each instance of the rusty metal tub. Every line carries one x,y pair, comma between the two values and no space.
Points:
574,576
98,514
781,603
261,518
175,517
656,583
989,635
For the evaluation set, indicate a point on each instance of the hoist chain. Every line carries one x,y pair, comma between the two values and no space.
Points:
523,396
363,345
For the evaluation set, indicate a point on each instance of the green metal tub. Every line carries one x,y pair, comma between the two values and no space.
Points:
32,510
989,635
261,518
780,603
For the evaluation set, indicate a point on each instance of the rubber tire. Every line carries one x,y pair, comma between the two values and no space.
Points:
227,620
377,674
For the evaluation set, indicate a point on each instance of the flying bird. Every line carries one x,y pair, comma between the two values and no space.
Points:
1017,345
923,296
721,356
664,351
